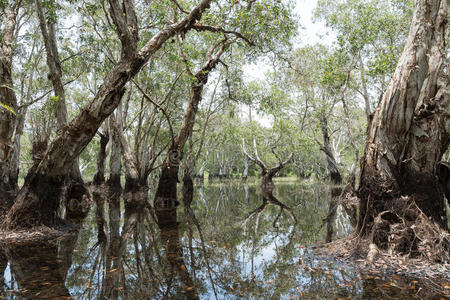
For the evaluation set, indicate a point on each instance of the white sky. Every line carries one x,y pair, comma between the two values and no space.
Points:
312,32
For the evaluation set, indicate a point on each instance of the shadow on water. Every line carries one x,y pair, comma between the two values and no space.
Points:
224,241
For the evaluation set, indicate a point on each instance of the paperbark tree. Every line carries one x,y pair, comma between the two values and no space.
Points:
166,193
47,26
406,137
332,165
266,172
38,199
8,176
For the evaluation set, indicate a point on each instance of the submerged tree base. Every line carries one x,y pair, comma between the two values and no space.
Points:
36,235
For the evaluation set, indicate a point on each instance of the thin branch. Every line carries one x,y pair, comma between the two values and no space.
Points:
180,7
200,27
46,93
159,107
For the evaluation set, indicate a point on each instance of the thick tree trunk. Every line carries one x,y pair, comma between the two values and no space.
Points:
45,180
408,134
8,180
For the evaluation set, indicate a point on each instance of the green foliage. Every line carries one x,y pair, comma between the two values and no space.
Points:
8,108
371,28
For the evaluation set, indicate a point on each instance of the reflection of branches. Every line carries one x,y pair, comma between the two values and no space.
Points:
271,199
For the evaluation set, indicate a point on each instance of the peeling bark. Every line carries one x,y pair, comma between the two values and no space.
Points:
8,180
335,175
409,131
55,75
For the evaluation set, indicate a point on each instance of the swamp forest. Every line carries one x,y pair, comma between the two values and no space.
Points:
224,149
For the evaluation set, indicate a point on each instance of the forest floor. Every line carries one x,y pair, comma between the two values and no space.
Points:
355,251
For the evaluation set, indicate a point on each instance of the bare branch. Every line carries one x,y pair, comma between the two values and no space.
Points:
256,160
157,106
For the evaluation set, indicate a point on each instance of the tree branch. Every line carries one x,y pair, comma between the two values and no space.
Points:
200,27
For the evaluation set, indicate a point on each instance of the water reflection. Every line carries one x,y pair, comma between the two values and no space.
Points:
224,241
40,269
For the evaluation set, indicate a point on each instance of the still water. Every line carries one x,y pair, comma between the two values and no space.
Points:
231,244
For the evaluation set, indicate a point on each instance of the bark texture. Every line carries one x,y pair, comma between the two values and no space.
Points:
47,26
335,175
407,136
8,176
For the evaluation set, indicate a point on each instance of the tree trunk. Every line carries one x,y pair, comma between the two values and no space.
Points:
113,259
8,181
45,180
55,75
335,175
98,190
245,171
408,134
166,193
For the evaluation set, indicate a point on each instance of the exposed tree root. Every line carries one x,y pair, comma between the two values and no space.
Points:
353,250
404,229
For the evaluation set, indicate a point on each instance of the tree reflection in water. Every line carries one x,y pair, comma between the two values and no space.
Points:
234,247
40,268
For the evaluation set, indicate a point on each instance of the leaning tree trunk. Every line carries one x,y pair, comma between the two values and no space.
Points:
38,200
166,193
407,136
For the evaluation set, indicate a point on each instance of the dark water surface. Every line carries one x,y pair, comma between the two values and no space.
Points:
231,245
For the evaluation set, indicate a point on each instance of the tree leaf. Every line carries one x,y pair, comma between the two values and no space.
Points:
9,108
